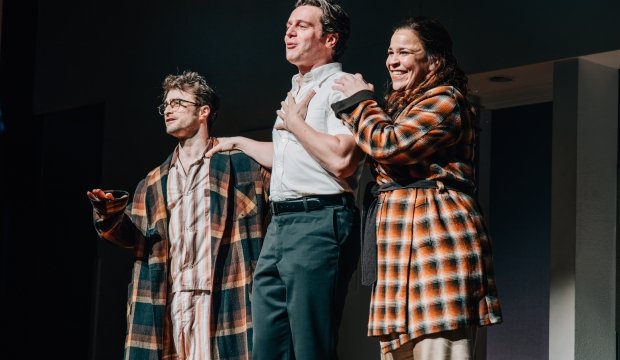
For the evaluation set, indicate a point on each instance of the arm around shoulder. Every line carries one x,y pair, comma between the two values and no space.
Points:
260,151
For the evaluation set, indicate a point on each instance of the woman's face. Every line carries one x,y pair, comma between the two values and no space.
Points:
406,60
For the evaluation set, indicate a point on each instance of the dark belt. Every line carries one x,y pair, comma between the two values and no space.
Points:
369,228
310,203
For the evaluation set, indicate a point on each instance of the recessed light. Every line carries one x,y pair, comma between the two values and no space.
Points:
500,79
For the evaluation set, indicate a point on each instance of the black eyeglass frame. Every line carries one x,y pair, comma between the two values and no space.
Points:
174,104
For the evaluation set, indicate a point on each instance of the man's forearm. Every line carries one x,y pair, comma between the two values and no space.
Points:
260,151
337,154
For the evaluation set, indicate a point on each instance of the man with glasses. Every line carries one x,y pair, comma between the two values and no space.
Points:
196,226
310,249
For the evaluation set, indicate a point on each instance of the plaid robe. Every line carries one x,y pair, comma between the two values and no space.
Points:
435,268
238,195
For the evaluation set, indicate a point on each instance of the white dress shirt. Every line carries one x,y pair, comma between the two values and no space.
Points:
295,173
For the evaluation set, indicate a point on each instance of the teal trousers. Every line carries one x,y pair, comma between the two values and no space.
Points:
300,283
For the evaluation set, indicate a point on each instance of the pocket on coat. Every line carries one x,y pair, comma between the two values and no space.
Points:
245,200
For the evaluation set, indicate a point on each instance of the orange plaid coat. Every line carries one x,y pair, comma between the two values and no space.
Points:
435,268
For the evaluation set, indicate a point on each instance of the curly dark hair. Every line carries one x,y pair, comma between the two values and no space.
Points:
334,21
193,83
438,47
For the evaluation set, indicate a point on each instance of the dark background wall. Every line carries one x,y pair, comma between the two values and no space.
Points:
79,82
520,228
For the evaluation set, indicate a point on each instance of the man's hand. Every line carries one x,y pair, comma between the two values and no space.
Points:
260,151
223,144
293,113
99,195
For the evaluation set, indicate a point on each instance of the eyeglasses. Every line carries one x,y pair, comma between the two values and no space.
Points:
174,105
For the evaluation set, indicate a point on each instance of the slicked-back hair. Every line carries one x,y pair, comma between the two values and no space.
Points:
193,83
334,21
438,48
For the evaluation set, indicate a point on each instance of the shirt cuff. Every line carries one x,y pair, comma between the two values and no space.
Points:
108,207
352,101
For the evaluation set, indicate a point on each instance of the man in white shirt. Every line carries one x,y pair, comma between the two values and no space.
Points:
311,247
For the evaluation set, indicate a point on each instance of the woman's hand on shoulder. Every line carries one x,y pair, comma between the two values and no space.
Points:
350,84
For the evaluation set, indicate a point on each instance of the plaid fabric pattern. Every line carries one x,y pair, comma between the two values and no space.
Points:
238,196
435,268
434,136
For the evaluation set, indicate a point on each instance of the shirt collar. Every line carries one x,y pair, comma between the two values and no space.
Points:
317,74
175,155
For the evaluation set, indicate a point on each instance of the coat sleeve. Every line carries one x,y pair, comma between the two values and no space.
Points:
432,123
115,220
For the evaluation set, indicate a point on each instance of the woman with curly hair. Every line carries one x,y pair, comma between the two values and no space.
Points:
426,249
